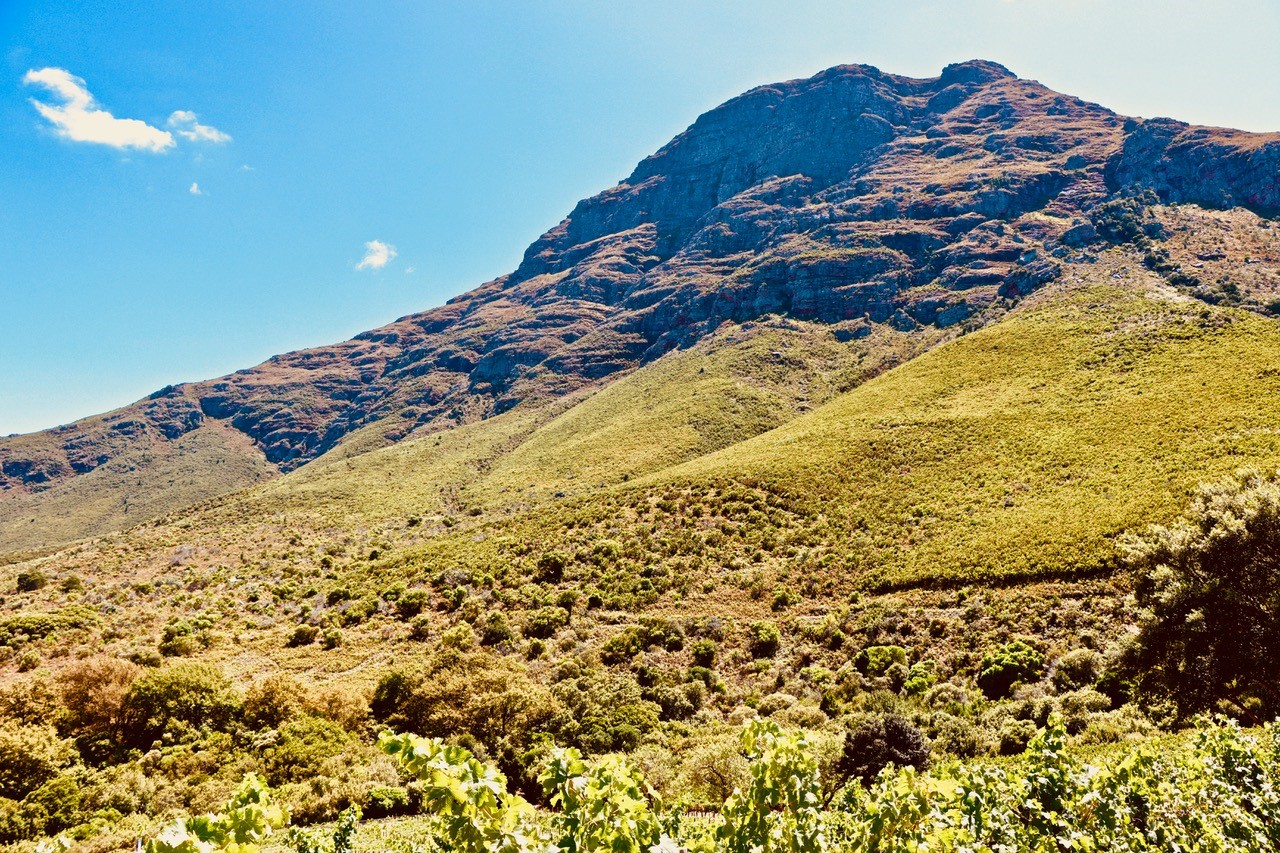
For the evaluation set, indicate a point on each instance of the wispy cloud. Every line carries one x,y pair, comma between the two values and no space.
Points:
184,124
376,255
78,116
195,189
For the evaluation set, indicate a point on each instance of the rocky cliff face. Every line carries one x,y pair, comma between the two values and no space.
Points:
853,198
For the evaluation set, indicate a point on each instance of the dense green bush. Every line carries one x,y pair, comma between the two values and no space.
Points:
29,757
31,580
874,661
496,630
304,744
413,602
602,711
763,639
704,652
487,697
177,700
1209,588
303,635
878,741
1008,665
544,622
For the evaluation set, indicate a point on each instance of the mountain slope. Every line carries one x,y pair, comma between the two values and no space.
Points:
1013,454
1018,451
857,199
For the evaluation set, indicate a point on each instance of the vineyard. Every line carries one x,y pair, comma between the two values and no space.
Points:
1213,790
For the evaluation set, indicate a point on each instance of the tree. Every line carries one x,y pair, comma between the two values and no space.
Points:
1209,591
877,742
486,696
274,701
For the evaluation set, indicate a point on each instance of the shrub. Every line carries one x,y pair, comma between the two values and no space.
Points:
192,695
763,639
622,647
1209,589
29,757
551,567
496,630
178,638
413,602
345,706
420,627
386,801
34,701
1015,735
274,701
93,692
874,661
303,635
31,580
656,631
359,611
1078,668
488,697
704,652
1008,665
1122,219
602,711
784,598
544,622
56,805
878,741
305,743
920,678
461,637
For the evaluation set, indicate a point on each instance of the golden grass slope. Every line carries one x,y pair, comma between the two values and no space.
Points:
1020,450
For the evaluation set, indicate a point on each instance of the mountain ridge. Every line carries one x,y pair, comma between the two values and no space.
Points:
853,198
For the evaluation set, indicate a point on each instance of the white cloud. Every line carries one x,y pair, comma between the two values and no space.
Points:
376,255
195,189
409,270
81,119
184,124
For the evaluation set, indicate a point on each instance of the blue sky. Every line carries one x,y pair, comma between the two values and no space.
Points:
452,134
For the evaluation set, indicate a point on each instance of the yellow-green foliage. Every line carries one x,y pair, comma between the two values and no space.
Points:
1017,451
732,386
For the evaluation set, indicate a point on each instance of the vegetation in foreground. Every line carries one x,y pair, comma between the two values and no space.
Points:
1214,791
130,744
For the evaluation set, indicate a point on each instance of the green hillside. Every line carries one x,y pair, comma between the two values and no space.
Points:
772,522
147,480
731,386
1018,451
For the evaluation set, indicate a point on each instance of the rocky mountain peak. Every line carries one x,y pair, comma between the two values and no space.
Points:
853,198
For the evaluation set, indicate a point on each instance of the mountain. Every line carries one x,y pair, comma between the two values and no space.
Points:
884,214
840,405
